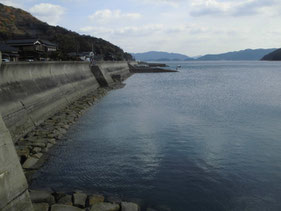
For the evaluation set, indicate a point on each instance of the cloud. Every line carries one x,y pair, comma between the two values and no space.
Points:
147,30
107,16
230,8
253,7
173,3
124,31
50,13
13,3
208,7
188,38
192,27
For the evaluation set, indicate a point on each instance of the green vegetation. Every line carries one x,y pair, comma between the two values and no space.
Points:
19,24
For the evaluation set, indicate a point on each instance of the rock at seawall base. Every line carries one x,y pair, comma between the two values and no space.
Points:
104,206
66,200
38,155
41,207
42,197
61,207
129,206
30,162
94,199
79,199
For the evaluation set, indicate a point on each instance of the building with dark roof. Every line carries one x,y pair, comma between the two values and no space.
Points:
36,49
9,53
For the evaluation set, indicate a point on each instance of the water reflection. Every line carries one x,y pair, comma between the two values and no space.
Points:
207,138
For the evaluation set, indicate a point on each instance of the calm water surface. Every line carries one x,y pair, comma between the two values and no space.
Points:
207,138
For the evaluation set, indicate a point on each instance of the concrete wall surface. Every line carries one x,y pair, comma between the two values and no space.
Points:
111,69
32,92
13,186
29,94
133,63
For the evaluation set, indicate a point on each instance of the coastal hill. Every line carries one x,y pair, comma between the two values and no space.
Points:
160,56
18,24
273,56
248,54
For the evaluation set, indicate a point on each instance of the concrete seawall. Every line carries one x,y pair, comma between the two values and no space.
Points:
29,94
32,92
115,69
13,186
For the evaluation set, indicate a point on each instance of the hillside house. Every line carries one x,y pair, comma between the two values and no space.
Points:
35,49
9,53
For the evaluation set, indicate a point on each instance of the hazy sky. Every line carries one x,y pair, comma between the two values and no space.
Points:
191,27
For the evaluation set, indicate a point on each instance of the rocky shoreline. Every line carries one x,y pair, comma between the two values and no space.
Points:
77,201
33,149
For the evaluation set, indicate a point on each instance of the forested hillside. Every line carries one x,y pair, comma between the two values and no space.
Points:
18,24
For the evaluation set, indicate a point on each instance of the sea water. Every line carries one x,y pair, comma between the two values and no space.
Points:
205,138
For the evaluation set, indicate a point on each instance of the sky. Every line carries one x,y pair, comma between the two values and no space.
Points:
190,27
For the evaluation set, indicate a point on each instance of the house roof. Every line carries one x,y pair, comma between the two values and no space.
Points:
7,49
30,42
47,42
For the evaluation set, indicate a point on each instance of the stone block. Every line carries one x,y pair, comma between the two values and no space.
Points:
61,207
52,141
66,200
36,149
37,145
79,199
41,207
42,197
129,206
23,151
30,162
95,199
38,155
49,145
105,206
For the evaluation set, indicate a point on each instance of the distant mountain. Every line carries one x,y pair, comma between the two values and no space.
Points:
160,56
247,54
273,56
19,24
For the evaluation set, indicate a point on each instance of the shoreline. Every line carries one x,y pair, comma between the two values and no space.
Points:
33,149
40,102
78,201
